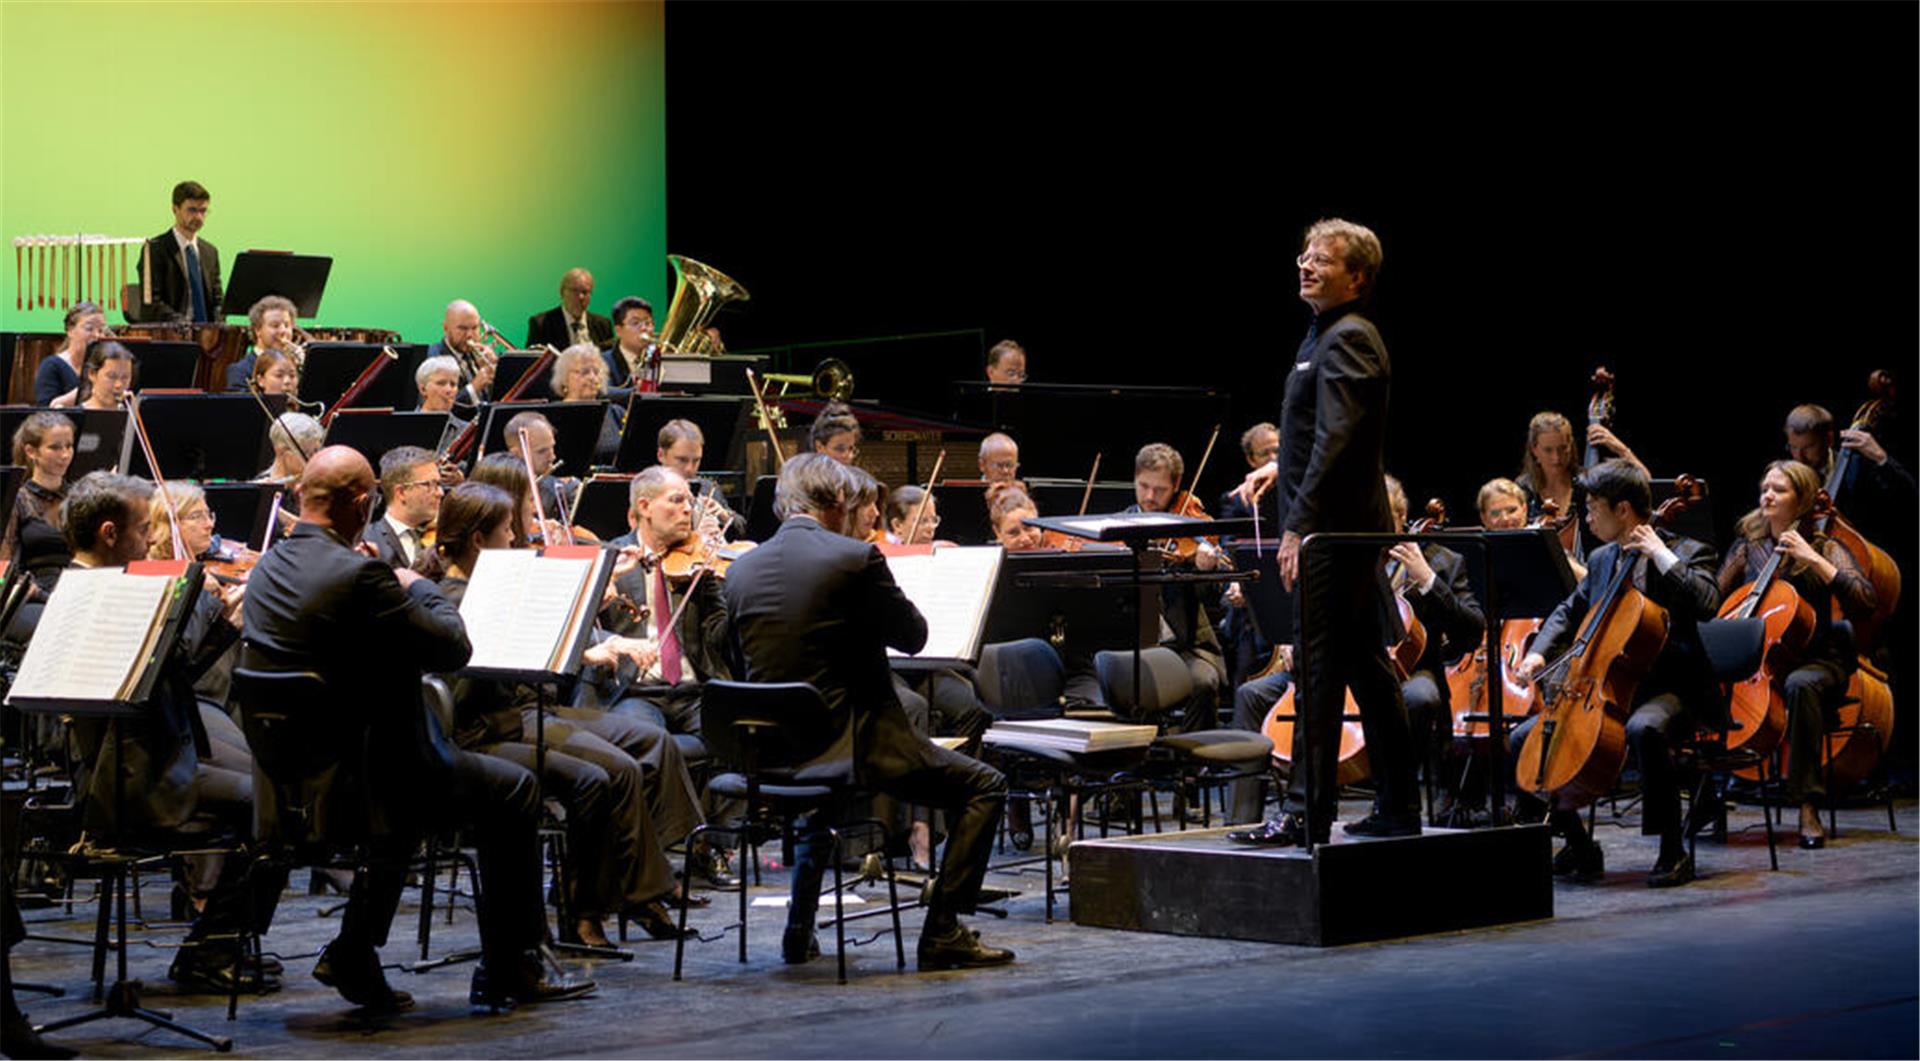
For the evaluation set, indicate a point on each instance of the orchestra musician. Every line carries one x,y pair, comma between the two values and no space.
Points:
863,505
580,375
836,433
272,321
681,446
293,436
1502,504
274,372
571,323
1330,469
461,338
1877,494
1247,650
437,380
315,603
410,485
556,493
1679,692
186,268
617,863
106,378
1007,513
813,605
59,372
999,459
1007,363
1821,571
633,339
43,444
1158,471
1550,465
904,504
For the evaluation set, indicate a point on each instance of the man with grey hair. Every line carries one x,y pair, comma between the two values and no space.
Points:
999,458
811,605
1331,472
295,437
570,323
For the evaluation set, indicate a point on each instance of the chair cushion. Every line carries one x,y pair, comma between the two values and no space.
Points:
1218,745
1164,677
1021,677
735,787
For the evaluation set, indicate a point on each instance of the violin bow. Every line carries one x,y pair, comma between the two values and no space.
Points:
1200,469
1086,496
253,388
159,480
539,510
913,528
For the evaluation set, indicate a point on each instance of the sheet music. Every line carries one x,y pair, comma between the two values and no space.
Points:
1094,525
93,636
519,607
952,588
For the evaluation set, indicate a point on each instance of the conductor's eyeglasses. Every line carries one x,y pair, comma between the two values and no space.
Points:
1317,260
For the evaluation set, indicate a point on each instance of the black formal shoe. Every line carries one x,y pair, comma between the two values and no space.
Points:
533,981
713,866
1671,876
18,1039
656,920
1379,825
1813,841
798,946
359,980
217,978
1585,863
959,949
1288,830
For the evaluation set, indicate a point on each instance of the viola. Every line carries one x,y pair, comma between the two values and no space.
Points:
1574,753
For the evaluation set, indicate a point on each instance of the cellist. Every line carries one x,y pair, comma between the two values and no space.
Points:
1677,692
1820,570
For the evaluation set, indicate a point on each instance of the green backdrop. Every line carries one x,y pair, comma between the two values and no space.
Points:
435,151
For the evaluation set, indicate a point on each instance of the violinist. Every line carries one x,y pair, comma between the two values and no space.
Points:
410,485
1433,579
293,436
1184,626
681,446
1820,570
912,516
105,379
836,433
1675,696
619,865
272,322
863,506
556,493
59,372
227,745
1007,512
43,444
580,375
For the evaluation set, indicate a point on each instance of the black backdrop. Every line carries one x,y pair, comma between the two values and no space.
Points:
1716,201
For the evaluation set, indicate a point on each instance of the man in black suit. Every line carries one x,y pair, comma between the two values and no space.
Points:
1676,696
1333,430
570,323
186,268
410,484
316,603
814,606
627,357
463,338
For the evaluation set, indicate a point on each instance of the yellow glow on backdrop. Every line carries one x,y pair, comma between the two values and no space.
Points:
435,151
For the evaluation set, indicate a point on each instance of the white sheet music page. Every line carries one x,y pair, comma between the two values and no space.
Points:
92,637
518,606
952,586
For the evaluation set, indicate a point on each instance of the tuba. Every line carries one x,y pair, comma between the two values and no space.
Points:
698,293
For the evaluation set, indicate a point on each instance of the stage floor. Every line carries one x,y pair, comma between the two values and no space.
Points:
1817,960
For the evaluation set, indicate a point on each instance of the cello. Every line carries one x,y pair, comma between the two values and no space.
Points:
1404,654
1758,704
1467,678
1574,753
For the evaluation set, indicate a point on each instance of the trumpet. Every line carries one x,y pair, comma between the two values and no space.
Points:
297,347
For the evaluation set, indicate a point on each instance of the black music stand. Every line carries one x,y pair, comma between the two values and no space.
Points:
576,429
375,431
718,417
963,511
301,278
332,367
601,505
1061,592
244,510
162,364
514,364
206,436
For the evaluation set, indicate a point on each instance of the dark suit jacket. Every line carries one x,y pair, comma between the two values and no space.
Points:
551,327
172,301
1690,591
1333,427
380,534
315,604
814,606
467,396
705,645
1452,616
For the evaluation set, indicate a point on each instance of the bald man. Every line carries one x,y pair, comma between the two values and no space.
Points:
569,323
463,338
379,766
999,458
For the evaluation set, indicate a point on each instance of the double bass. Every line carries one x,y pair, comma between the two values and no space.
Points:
1574,753
1873,561
1405,653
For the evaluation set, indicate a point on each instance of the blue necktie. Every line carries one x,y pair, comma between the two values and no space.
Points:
197,284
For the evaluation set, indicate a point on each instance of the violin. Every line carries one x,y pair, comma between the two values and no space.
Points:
682,562
1574,753
1184,503
229,563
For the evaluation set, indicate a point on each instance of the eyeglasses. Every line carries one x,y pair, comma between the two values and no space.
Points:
435,483
1317,260
198,515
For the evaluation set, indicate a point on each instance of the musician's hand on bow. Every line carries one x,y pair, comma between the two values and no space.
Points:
641,652
233,597
1257,482
1288,559
1863,441
1413,561
629,559
1527,668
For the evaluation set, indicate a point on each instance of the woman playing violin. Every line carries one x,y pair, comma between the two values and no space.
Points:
863,508
1006,512
1821,571
909,522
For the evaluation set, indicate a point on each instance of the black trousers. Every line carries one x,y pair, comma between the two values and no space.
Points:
1252,702
1812,689
1656,725
1339,617
969,792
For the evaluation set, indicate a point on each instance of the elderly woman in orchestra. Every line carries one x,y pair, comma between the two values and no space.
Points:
59,374
580,375
295,437
106,378
438,381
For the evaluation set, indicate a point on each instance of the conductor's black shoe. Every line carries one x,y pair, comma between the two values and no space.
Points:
1671,876
359,980
1379,825
1585,863
798,946
1288,830
530,982
959,948
217,977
